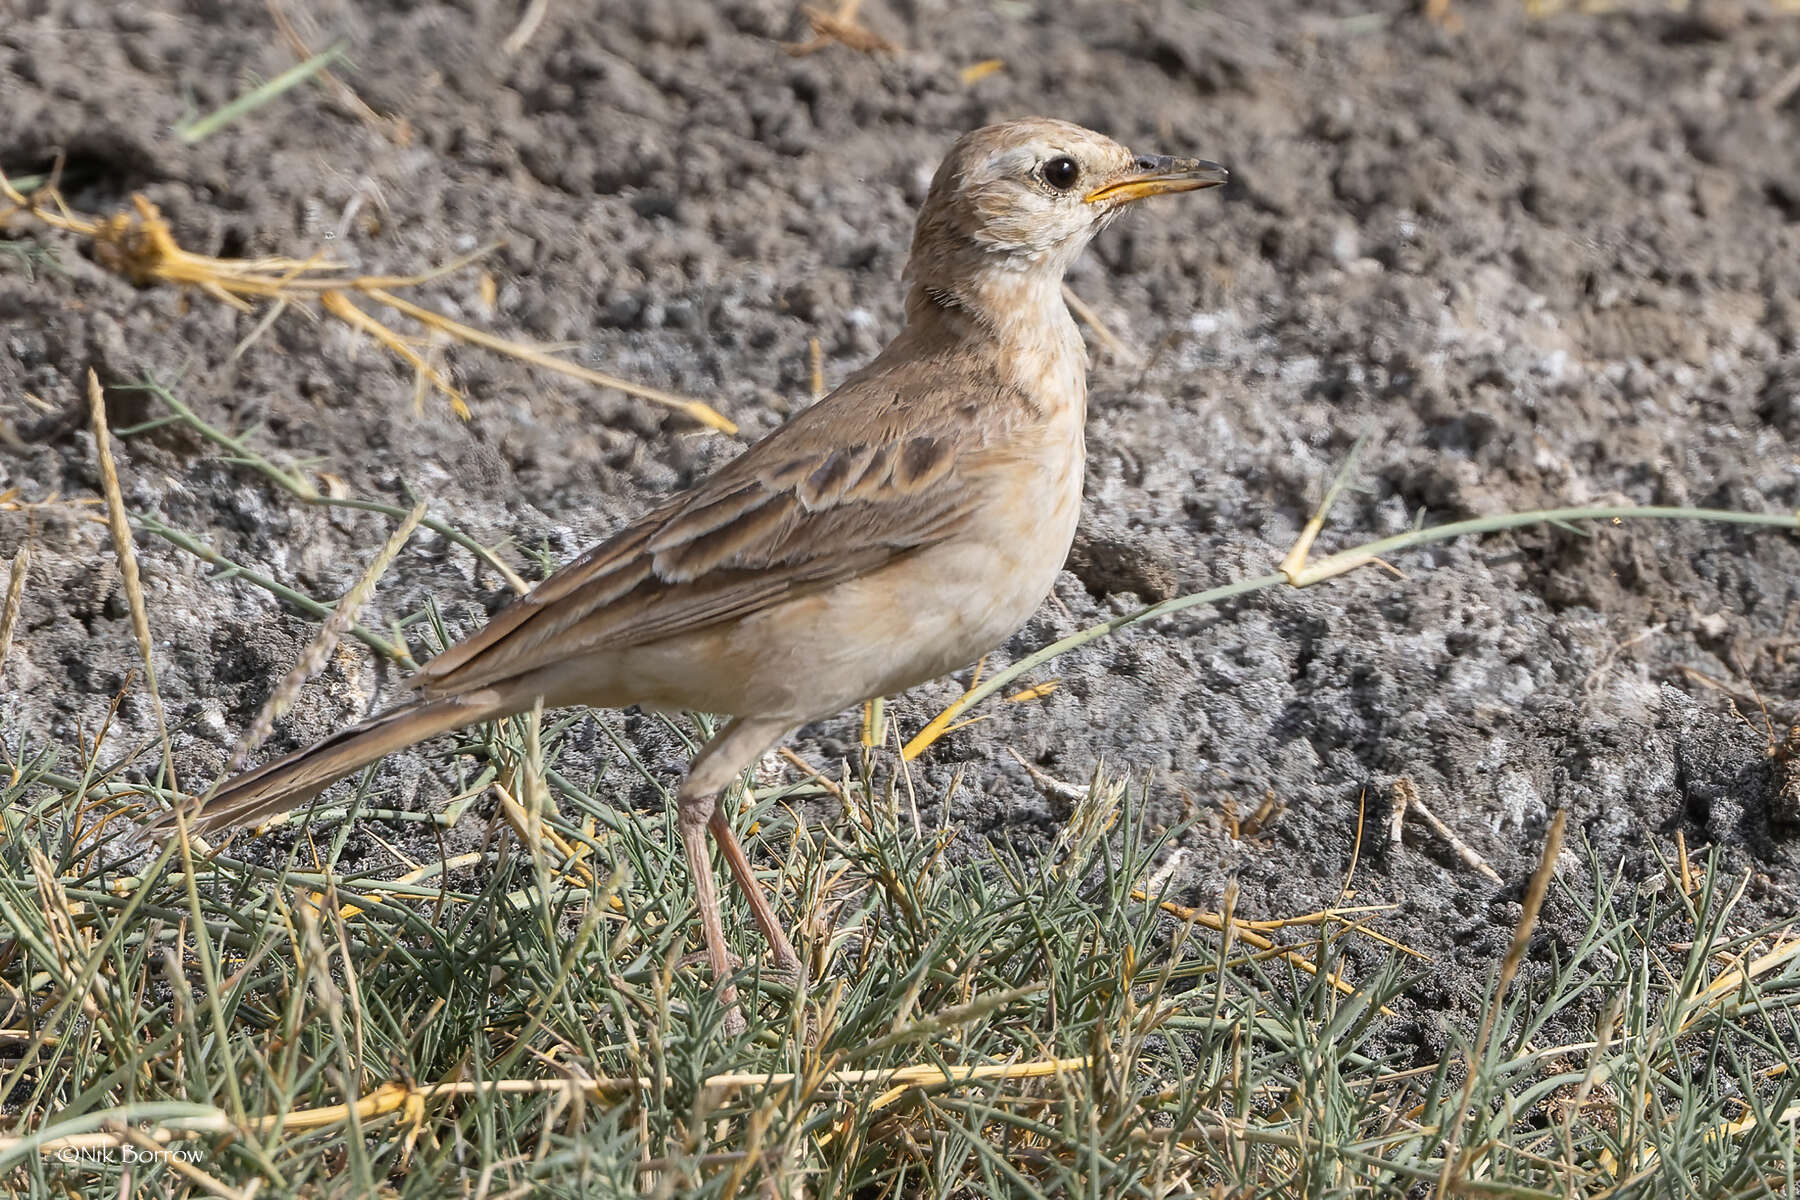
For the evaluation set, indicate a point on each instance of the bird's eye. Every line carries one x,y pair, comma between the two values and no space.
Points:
1061,172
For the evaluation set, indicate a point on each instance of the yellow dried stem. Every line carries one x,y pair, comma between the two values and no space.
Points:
15,593
535,357
339,306
330,633
128,568
139,245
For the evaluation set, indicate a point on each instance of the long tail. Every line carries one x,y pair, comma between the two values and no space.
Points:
289,782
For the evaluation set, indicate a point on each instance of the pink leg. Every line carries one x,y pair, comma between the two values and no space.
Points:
733,748
752,889
691,817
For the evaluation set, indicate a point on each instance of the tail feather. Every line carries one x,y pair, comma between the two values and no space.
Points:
287,783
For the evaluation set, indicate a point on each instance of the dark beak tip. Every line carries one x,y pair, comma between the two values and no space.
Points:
1204,171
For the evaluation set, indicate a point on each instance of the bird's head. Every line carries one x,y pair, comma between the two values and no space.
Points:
1025,197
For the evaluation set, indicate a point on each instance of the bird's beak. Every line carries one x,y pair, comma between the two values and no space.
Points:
1153,175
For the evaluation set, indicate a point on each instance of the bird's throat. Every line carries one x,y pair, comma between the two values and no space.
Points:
1015,321
1002,301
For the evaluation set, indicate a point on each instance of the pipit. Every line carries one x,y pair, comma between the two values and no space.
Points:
894,531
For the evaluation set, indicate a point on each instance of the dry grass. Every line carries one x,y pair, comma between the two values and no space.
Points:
997,1023
139,245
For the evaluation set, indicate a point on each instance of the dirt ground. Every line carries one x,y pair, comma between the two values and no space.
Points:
1538,262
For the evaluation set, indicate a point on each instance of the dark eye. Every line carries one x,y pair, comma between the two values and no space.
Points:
1061,172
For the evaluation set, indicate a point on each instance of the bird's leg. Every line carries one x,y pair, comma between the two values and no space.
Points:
697,807
747,883
690,815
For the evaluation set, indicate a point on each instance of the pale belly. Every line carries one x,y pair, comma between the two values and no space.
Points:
931,613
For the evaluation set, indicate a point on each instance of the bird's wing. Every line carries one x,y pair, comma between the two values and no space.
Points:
872,472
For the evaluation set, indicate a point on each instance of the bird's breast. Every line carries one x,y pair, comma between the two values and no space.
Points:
958,600
921,616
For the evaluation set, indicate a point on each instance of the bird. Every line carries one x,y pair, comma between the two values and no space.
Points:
891,533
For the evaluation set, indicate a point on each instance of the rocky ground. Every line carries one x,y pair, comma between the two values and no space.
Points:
1538,262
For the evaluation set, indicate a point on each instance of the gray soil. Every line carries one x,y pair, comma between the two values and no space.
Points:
1539,262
